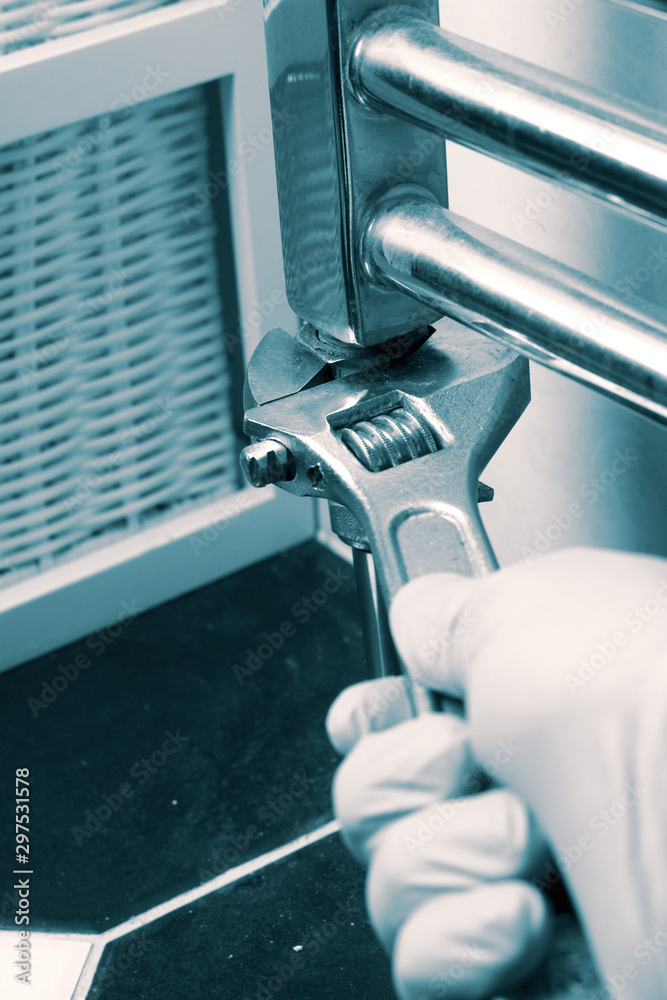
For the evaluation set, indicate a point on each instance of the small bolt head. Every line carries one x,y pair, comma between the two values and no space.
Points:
267,462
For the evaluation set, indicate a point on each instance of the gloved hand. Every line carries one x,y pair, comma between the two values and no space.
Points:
563,667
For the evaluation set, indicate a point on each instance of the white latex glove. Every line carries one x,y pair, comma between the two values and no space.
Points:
563,667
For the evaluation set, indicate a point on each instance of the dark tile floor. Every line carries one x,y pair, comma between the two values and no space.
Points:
239,943
188,744
240,743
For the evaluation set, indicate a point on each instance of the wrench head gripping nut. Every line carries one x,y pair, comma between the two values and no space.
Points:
402,448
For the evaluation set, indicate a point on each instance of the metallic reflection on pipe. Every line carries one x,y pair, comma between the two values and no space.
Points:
540,308
612,149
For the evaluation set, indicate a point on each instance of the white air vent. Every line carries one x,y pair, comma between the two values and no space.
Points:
114,407
29,22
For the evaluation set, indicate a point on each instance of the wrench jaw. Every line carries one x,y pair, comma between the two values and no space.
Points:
419,516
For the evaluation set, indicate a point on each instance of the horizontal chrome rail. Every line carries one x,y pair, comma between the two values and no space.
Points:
613,150
540,308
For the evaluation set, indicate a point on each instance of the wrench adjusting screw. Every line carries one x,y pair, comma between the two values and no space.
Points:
389,440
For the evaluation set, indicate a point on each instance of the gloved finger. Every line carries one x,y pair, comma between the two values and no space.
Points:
448,847
394,772
472,945
550,613
428,616
367,707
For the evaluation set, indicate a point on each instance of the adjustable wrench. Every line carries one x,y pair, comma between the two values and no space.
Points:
401,446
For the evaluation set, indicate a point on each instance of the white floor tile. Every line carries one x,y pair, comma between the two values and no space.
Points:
56,964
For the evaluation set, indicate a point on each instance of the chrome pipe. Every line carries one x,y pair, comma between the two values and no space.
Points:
530,303
608,148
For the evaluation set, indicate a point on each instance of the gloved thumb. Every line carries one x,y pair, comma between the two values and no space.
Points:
431,618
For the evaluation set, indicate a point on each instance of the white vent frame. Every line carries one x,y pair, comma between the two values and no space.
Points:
64,81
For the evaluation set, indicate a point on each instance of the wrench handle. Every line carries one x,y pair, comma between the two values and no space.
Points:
429,536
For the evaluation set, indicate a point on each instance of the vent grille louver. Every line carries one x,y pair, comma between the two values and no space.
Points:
114,408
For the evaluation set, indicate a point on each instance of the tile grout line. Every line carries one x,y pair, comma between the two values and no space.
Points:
89,969
227,878
192,895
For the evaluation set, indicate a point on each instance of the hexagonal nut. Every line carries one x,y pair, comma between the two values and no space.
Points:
267,461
